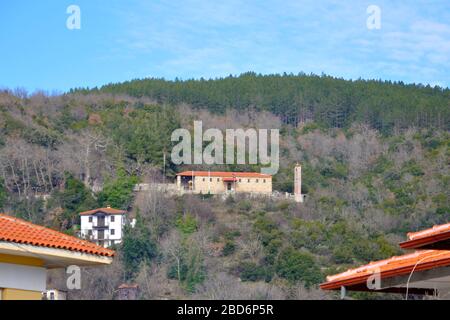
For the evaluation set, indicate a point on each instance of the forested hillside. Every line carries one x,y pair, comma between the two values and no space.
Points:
332,102
375,158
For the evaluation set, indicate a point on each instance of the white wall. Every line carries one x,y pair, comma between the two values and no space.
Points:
117,225
58,295
86,225
16,276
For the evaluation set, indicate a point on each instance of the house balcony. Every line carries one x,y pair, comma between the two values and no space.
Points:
103,225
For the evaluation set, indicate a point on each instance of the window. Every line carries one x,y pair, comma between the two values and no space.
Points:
210,179
248,180
240,180
89,233
113,232
52,295
218,179
90,219
203,179
264,180
257,180
113,218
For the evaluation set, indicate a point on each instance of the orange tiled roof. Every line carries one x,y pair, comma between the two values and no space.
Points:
434,238
20,231
395,266
402,265
224,174
107,210
429,232
126,286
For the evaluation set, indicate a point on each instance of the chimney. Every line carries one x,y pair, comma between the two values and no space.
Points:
298,183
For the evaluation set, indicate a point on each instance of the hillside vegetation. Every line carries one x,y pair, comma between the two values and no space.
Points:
367,184
330,101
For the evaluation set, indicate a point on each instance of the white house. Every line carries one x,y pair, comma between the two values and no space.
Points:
104,226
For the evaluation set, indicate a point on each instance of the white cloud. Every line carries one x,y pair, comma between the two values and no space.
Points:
199,37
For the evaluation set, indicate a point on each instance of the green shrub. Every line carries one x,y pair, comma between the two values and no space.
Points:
229,248
308,234
271,237
250,271
3,194
119,192
187,224
311,127
381,165
432,143
413,168
229,201
443,211
231,234
245,206
284,205
295,266
338,171
189,270
137,247
74,199
440,200
343,254
30,209
267,229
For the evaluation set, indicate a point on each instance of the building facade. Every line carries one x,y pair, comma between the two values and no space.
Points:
27,251
104,226
214,182
128,292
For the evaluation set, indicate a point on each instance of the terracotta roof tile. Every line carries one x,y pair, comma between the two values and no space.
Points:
432,238
429,232
224,174
127,285
107,210
395,266
20,231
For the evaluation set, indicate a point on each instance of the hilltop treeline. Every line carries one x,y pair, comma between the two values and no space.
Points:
329,101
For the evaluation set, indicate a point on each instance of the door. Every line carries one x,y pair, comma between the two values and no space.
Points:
229,186
101,221
101,234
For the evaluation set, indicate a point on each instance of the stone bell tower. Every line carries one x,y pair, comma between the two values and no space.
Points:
298,183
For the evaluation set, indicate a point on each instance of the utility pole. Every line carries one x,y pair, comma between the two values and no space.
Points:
164,167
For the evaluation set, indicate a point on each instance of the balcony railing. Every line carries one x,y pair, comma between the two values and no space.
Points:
91,237
100,225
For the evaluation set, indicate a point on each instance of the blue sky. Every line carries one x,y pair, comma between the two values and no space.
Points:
123,40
